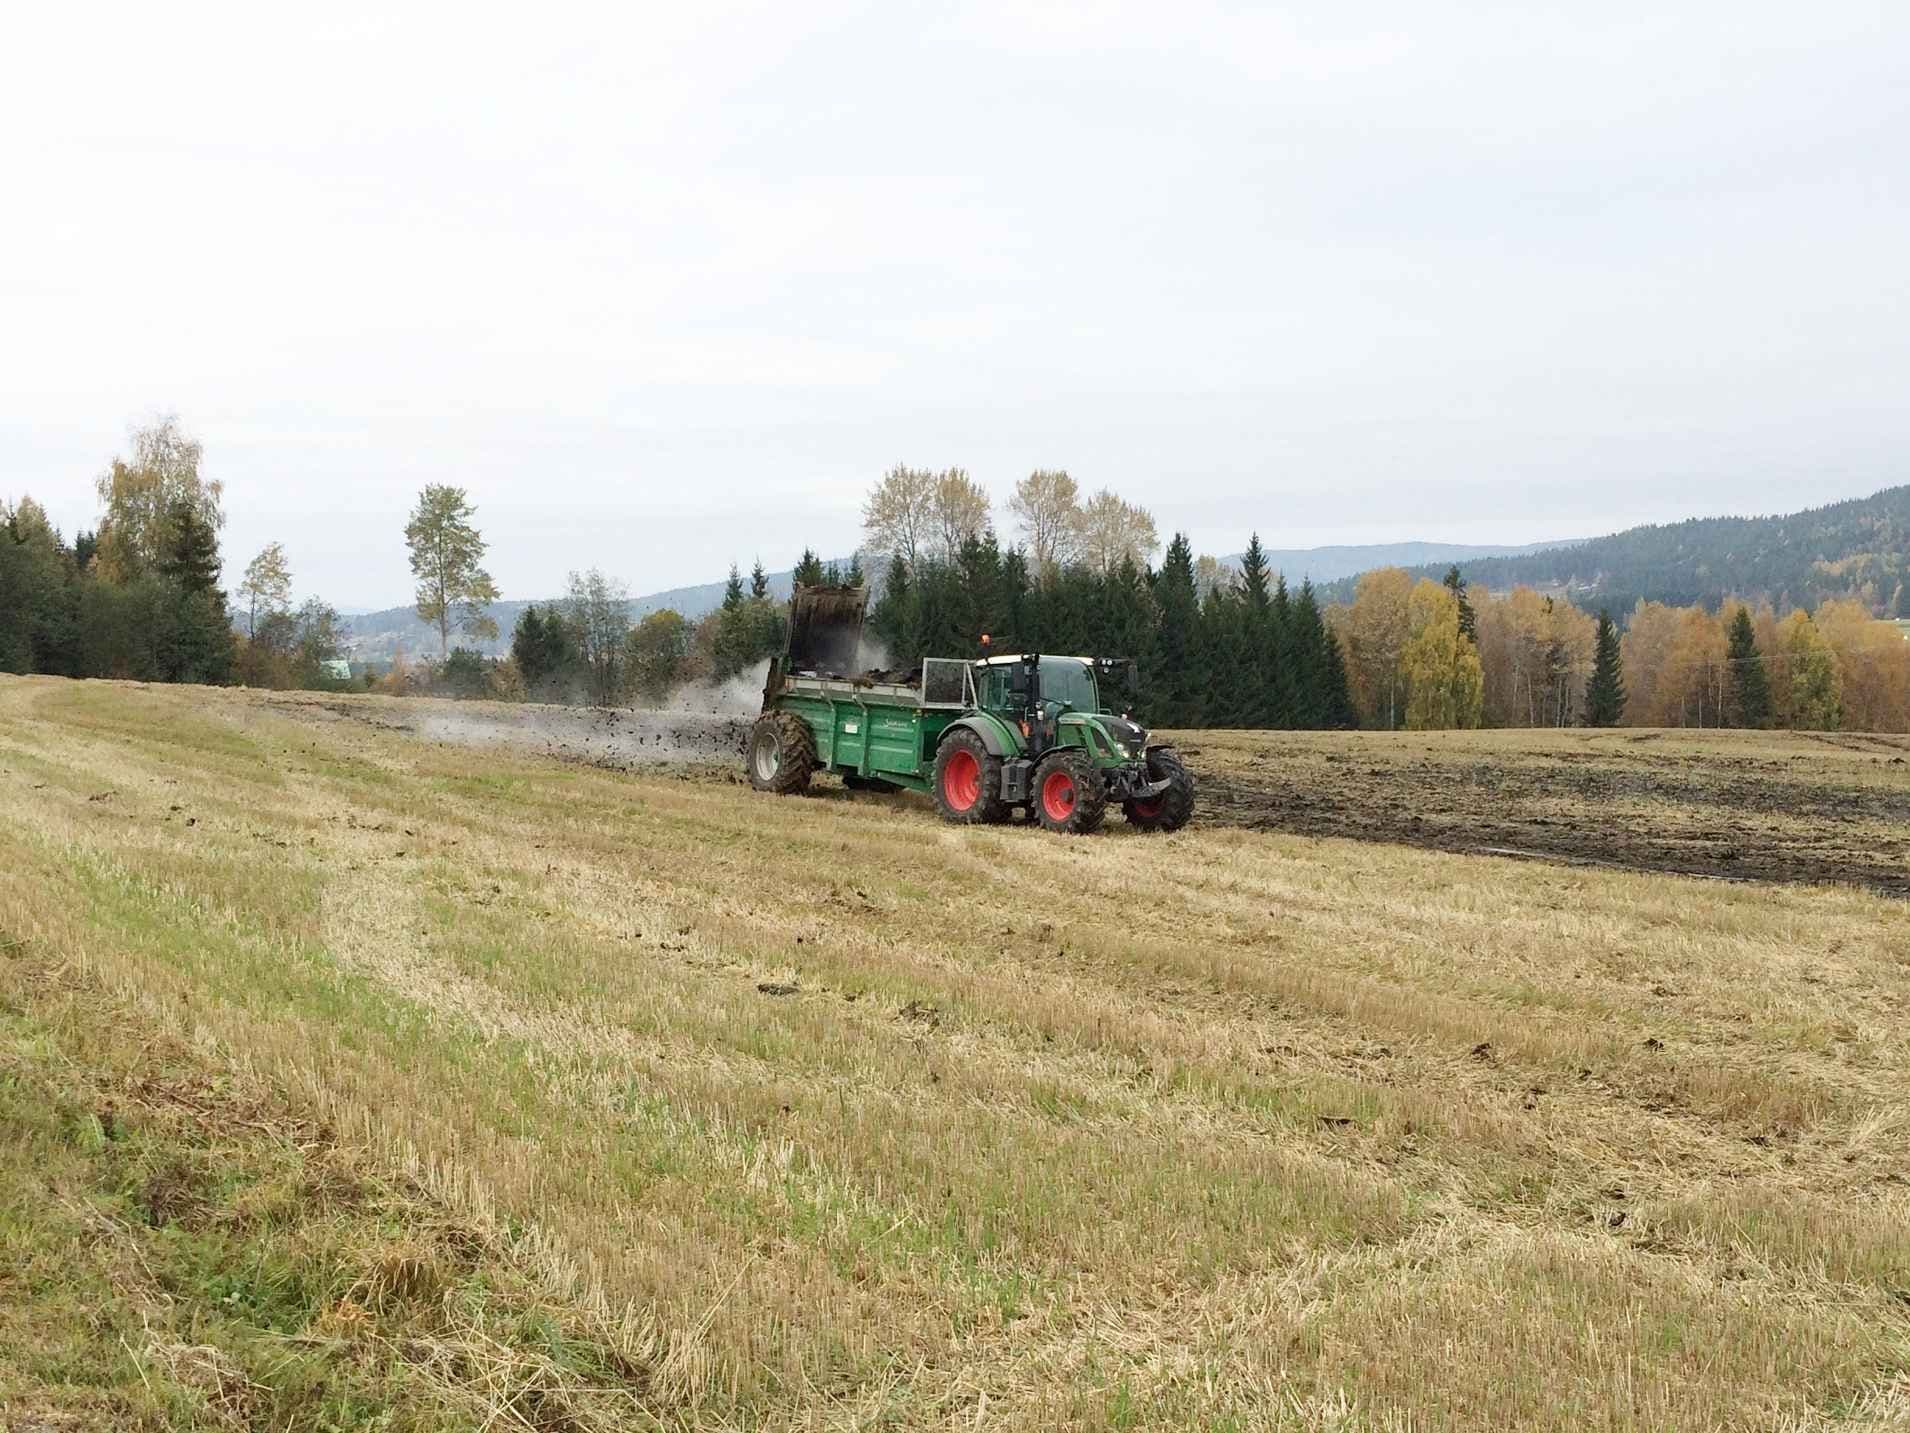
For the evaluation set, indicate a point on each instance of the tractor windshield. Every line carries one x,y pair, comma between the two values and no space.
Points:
1069,681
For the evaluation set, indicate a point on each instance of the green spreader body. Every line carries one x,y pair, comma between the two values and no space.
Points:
981,737
878,729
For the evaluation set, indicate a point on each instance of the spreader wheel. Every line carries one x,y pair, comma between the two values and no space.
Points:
967,784
1070,795
1168,811
782,753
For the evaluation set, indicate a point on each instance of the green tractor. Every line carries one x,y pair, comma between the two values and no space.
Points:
983,738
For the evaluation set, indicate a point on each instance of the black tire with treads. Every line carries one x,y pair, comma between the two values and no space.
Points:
782,753
1069,793
1171,809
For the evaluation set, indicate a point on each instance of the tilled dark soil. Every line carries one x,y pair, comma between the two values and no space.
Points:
1732,806
1618,804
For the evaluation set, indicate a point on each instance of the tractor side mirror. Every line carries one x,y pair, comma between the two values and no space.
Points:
1021,681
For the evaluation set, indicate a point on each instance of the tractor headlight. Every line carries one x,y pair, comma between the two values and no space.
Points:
1125,737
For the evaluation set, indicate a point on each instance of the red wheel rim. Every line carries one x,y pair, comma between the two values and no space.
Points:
1149,809
1057,796
961,780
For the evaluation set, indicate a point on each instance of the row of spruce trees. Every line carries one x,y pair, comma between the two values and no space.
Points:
1249,654
1253,654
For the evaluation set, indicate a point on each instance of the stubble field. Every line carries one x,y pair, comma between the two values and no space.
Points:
350,1071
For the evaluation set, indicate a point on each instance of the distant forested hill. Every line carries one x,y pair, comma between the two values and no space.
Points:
1859,548
1330,564
378,635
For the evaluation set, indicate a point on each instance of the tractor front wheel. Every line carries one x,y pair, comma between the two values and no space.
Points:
967,784
782,753
1070,795
1168,811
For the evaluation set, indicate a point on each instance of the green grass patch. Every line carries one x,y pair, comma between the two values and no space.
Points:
181,1251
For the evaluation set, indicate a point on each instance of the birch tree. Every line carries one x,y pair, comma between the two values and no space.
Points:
447,551
142,496
899,515
1047,511
1114,531
266,589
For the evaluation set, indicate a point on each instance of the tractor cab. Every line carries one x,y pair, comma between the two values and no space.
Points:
1020,683
1047,688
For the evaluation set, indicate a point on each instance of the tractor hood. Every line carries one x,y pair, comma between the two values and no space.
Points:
1129,736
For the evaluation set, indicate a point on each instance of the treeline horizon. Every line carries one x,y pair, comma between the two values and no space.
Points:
1215,643
1539,657
138,597
1223,645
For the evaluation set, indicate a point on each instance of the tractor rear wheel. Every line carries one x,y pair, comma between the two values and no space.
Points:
967,781
1168,811
1070,795
782,753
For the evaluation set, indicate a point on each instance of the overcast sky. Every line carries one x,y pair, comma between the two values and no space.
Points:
667,285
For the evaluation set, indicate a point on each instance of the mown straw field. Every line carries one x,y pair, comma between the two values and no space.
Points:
347,1076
